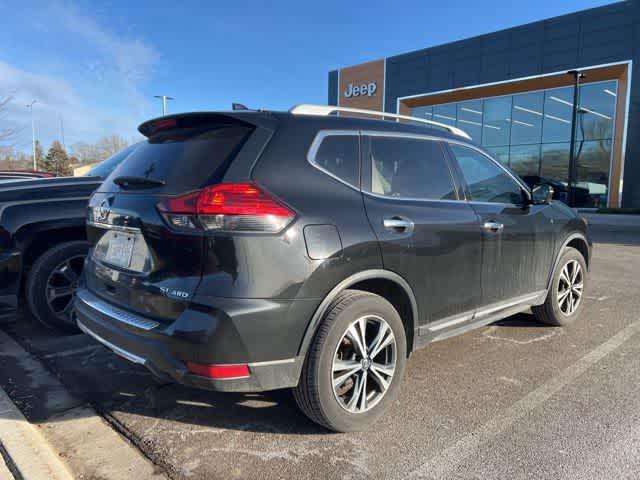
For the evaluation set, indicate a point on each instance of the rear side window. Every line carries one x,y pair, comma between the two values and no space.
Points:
339,155
410,168
185,158
486,181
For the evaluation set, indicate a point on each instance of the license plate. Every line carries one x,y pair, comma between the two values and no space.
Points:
120,250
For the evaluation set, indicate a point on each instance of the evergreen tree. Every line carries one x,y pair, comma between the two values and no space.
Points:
57,161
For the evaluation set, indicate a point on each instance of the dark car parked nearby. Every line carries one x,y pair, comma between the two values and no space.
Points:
43,240
253,250
23,174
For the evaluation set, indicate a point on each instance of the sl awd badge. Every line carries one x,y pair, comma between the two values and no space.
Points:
172,292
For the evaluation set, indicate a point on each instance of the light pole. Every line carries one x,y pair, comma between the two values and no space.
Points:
574,120
33,135
164,99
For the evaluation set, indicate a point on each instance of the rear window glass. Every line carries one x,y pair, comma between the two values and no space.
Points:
338,155
185,159
105,167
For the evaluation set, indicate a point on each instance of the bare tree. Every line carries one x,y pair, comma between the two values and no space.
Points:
10,159
111,145
7,133
96,152
85,152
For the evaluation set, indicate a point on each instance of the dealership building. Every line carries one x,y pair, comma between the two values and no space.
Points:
512,91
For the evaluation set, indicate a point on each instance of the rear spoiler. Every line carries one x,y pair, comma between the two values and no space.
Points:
190,120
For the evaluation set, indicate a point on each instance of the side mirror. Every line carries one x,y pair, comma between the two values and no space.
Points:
541,194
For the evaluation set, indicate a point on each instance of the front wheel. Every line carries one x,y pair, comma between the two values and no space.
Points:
565,298
354,367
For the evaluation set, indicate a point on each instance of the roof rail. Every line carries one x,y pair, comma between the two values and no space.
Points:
323,110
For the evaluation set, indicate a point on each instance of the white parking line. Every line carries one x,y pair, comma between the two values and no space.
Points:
445,461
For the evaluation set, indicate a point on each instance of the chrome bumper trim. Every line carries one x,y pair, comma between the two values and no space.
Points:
116,313
272,362
108,226
117,350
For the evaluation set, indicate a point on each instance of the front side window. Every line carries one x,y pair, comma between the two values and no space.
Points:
410,168
486,181
338,155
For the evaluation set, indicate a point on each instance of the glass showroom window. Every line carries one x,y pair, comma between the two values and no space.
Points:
597,110
558,109
525,159
526,118
597,106
445,114
555,161
496,130
554,168
470,118
422,112
530,132
501,154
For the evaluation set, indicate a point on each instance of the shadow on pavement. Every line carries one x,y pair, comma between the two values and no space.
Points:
119,389
127,393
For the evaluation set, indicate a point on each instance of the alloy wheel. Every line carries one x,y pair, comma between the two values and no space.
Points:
570,287
364,364
61,286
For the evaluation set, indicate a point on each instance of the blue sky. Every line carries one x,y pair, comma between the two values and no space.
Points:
97,65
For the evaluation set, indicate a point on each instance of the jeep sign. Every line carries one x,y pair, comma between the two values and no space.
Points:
367,89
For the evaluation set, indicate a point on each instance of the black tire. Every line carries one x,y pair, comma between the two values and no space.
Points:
42,277
315,392
550,312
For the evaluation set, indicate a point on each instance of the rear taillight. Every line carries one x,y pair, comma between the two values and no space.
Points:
242,207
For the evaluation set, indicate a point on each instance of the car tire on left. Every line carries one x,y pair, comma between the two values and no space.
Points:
51,284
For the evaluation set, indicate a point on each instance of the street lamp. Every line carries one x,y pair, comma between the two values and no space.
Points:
574,120
33,135
164,102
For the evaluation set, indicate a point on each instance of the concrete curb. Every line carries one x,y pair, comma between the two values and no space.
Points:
4,470
89,446
30,455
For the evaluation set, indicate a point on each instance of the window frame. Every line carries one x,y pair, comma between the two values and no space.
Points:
365,175
523,186
320,137
459,184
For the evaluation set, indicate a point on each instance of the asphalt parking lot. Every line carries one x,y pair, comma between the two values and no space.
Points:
516,399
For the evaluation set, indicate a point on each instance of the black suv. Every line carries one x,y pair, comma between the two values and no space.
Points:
43,240
250,250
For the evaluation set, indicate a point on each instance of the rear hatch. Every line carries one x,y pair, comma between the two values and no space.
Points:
145,258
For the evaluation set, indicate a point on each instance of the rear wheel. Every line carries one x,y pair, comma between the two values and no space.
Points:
354,367
52,283
565,298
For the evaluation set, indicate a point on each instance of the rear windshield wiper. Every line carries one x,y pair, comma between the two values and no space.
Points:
137,182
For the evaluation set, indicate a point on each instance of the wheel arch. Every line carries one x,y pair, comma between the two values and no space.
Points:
385,283
577,241
37,238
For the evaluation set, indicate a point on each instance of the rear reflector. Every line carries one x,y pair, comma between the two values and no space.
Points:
219,371
228,207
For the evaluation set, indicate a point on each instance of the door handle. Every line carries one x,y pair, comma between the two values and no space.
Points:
493,226
398,224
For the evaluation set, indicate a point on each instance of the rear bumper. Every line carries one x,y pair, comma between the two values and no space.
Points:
10,271
197,336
